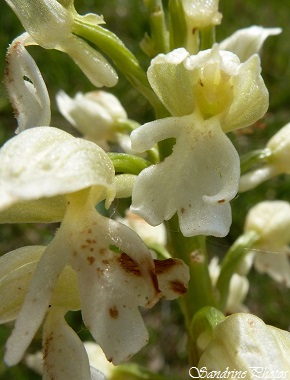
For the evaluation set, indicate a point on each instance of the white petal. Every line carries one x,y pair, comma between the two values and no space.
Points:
244,342
250,98
64,355
96,374
92,63
254,178
48,23
248,41
173,277
275,264
37,300
197,181
172,82
271,221
112,285
27,90
202,13
147,135
97,358
45,162
16,271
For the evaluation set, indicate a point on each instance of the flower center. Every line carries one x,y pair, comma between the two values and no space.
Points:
213,90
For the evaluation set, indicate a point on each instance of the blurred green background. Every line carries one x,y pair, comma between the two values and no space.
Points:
127,18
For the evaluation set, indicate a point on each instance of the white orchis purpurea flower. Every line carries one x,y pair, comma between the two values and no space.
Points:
98,116
26,88
116,273
207,95
271,221
248,41
201,13
49,23
238,289
243,342
276,161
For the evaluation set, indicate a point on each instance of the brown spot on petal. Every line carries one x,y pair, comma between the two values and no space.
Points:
102,251
178,287
163,266
221,201
91,260
114,313
128,264
182,210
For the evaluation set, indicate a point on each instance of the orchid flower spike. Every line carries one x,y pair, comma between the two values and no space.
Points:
116,273
271,221
27,90
207,94
276,161
50,23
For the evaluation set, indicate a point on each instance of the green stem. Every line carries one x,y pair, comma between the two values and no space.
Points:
231,263
177,24
159,32
192,250
125,61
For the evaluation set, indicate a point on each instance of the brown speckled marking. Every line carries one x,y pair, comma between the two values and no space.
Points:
128,264
221,201
178,287
91,260
114,312
182,210
102,251
163,266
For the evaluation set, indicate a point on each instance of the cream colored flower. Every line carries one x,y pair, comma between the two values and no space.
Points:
98,116
271,221
276,161
207,94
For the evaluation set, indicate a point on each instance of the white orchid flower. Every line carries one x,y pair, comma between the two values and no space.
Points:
276,161
116,273
248,41
49,23
207,94
245,344
271,221
98,116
